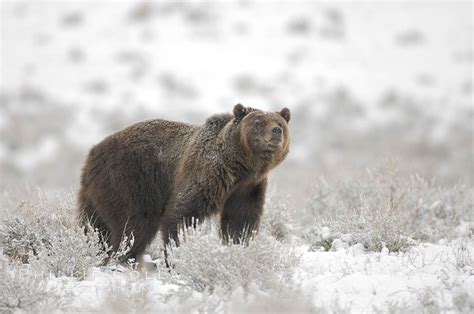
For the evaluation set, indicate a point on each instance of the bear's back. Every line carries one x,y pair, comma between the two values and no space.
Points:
136,162
151,141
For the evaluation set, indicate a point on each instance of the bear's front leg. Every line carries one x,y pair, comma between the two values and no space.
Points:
190,206
242,212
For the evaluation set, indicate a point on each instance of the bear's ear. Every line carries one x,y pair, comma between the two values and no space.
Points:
240,111
285,113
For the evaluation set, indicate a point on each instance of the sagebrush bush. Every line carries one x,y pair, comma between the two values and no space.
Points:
51,240
204,263
463,251
381,208
277,220
22,289
69,252
22,238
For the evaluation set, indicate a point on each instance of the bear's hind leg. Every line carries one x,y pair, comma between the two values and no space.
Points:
90,219
142,232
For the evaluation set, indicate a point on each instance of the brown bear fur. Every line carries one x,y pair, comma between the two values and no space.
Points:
160,174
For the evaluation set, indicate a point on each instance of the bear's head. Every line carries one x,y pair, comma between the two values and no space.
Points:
264,133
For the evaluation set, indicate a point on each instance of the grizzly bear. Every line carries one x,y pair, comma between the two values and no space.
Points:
164,175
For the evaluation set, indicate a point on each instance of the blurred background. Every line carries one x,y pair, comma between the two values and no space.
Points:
366,81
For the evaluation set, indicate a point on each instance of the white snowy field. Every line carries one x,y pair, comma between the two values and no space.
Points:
430,278
343,231
377,242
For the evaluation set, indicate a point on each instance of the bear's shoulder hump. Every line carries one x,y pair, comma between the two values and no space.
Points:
218,121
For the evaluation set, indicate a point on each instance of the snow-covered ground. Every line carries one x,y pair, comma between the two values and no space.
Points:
428,278
352,248
425,276
364,80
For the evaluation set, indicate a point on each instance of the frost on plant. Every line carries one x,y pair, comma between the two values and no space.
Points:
278,220
22,289
204,263
50,239
382,209
463,251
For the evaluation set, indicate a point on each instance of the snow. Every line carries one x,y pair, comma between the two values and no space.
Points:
363,282
347,278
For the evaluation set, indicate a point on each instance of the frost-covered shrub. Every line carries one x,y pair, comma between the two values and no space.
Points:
382,208
19,292
374,228
277,220
22,289
204,263
463,251
70,252
22,238
321,239
51,240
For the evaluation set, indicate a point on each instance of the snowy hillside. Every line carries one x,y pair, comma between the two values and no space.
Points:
395,75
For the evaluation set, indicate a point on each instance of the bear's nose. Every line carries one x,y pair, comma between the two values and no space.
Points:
277,131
